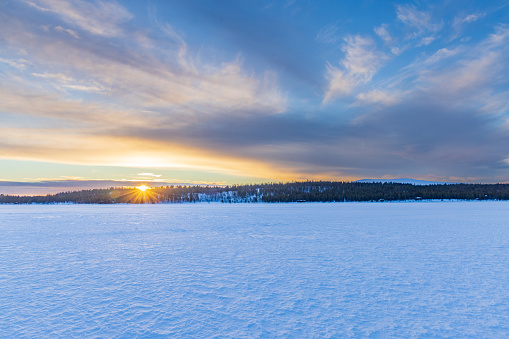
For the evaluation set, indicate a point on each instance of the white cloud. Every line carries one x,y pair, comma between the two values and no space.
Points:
149,175
23,98
361,56
360,63
383,33
498,104
328,34
58,76
426,41
466,19
472,73
419,22
462,20
397,50
85,88
98,17
68,31
19,63
339,83
461,77
174,36
466,81
441,54
412,17
62,81
378,97
500,37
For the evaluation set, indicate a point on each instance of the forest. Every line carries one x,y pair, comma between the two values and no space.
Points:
307,191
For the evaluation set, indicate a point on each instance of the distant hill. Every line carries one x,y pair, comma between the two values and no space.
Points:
406,181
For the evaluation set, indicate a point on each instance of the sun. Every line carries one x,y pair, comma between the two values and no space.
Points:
142,194
143,188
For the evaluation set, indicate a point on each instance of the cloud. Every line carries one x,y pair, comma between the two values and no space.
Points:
361,56
168,82
499,38
339,83
68,31
360,63
498,105
59,76
418,23
462,20
328,34
442,54
150,175
64,82
469,18
377,96
19,64
426,41
472,75
468,76
22,99
444,113
97,17
383,33
153,98
412,17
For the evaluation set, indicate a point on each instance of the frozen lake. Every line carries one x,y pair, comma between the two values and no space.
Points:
423,269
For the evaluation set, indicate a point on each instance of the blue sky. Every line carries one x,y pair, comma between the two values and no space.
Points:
253,91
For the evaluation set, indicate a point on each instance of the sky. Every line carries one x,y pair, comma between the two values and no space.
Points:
238,91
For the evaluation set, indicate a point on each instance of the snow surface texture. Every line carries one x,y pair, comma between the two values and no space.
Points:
420,269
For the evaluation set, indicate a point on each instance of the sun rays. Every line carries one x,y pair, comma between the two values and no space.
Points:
142,194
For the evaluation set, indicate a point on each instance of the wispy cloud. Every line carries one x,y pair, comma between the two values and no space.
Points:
420,27
97,17
68,31
461,21
19,63
64,82
362,60
420,21
468,76
426,41
469,18
378,97
329,34
149,175
382,32
442,54
170,82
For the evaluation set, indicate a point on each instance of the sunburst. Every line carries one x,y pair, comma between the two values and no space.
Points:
142,194
143,188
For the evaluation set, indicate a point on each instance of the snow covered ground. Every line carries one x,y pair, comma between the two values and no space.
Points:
419,269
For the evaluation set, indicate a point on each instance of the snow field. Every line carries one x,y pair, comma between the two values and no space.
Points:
420,269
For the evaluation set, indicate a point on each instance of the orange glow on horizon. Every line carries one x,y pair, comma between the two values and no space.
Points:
142,194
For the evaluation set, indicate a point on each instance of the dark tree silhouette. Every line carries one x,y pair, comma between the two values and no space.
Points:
309,191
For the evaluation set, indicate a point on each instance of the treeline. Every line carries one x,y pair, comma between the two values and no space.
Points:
308,191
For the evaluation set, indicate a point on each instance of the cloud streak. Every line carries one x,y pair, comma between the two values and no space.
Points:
97,17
